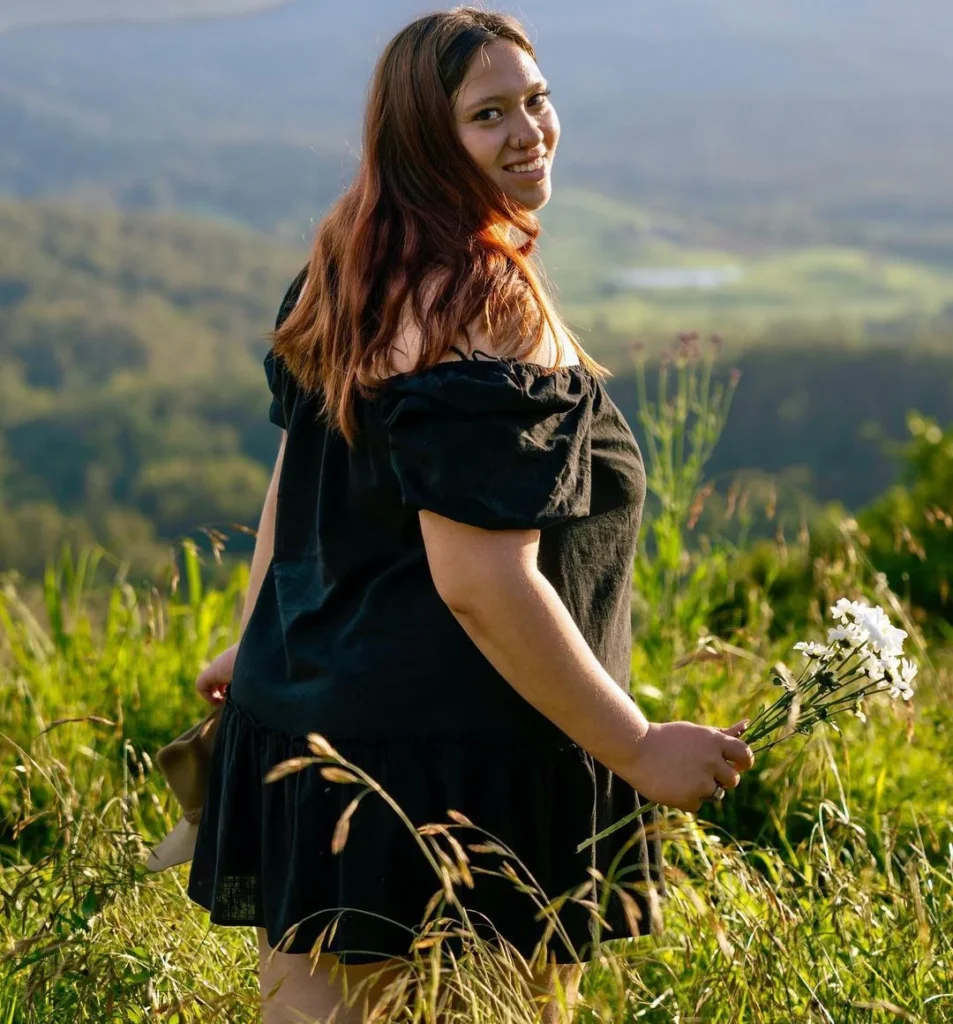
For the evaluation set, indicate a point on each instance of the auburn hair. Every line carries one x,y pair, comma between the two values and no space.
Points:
421,229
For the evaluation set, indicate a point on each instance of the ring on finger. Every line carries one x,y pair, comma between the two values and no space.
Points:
719,793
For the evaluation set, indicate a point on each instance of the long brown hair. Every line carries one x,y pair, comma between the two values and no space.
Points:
420,228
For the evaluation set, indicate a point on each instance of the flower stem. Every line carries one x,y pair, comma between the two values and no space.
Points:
621,823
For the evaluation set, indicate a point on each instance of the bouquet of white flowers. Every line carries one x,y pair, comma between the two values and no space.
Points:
863,656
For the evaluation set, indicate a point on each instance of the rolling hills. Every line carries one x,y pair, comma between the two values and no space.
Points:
133,403
91,300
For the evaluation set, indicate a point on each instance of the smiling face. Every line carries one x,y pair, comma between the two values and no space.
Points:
507,124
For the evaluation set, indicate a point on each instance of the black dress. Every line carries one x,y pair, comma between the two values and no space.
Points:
349,638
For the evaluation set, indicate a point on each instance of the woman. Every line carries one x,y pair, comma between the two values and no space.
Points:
441,582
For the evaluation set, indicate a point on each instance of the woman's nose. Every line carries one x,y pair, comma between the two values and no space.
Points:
527,127
529,131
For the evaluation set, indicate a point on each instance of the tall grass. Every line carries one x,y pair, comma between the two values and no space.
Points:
821,890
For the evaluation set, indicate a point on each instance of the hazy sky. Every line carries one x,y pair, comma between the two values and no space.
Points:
26,13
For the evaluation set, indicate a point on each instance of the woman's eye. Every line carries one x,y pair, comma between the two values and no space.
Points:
487,115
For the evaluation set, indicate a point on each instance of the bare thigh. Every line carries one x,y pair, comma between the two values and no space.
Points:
559,1008
297,990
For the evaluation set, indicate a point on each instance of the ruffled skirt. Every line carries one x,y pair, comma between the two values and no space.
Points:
264,855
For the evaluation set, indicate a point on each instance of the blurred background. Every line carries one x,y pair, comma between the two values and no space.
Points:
776,171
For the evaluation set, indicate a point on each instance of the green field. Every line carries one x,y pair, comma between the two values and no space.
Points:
588,237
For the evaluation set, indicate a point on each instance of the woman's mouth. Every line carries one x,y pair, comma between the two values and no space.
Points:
532,170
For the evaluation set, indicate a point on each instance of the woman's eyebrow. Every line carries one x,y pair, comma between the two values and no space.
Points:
534,88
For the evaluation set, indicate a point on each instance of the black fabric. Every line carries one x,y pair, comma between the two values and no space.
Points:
349,638
492,443
278,380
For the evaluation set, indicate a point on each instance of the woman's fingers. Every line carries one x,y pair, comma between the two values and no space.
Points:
738,752
726,776
210,687
735,749
216,677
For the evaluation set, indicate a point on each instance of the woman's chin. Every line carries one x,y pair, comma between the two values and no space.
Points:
532,196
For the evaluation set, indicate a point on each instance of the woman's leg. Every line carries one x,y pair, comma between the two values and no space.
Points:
308,994
544,983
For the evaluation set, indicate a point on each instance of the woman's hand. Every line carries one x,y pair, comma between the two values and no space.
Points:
679,764
214,680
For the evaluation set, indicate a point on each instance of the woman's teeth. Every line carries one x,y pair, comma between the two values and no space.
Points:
524,168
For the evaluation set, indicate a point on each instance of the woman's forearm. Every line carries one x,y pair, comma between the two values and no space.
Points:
525,631
264,541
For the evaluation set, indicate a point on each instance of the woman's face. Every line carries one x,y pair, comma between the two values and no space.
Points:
507,124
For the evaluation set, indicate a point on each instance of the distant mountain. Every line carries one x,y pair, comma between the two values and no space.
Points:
841,107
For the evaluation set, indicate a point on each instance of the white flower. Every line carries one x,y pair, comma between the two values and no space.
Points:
874,668
908,672
885,638
852,633
899,679
900,689
843,608
862,624
811,649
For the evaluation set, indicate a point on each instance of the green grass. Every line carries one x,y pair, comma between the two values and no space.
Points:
821,890
842,910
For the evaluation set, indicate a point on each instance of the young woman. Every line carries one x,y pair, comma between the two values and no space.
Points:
441,583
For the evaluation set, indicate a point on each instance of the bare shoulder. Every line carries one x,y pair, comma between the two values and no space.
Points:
406,347
554,348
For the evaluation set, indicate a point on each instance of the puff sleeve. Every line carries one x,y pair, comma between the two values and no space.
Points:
493,443
275,370
277,374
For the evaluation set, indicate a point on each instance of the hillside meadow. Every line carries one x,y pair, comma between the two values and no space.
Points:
821,890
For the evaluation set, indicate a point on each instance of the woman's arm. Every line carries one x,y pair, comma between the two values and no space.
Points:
213,681
490,581
265,539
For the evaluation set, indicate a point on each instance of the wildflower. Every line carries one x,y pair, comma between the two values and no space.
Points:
901,680
812,649
901,690
863,624
874,668
863,655
843,608
884,638
852,635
